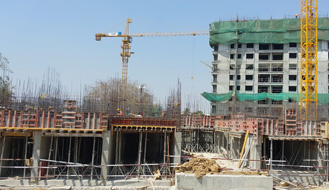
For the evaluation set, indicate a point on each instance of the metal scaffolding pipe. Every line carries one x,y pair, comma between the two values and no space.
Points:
76,148
271,155
2,150
139,151
120,146
92,159
117,147
282,155
168,152
49,153
164,147
25,154
56,150
145,147
69,156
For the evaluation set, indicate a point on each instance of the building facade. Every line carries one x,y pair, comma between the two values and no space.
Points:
258,63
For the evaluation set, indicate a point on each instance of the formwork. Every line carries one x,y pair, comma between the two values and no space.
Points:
38,145
289,148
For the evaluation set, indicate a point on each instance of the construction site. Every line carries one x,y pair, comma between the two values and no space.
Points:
267,128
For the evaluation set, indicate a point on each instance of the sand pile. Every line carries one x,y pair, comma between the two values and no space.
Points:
199,166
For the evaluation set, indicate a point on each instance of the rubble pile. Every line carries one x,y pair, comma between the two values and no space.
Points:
199,166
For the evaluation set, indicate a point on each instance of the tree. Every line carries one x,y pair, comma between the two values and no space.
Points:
198,113
104,96
187,111
6,91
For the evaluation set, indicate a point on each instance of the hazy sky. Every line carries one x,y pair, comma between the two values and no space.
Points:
38,34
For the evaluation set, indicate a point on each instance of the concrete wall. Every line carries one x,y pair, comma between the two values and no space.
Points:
223,182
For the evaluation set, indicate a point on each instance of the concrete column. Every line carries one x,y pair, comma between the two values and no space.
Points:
256,154
227,142
217,141
36,154
178,147
230,140
105,159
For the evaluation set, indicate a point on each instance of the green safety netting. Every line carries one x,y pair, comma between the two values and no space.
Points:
323,98
262,31
214,97
251,97
282,96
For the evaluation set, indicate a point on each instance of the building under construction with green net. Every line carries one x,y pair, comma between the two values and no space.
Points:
256,67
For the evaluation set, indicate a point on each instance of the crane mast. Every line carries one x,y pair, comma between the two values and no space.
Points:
125,57
308,61
127,39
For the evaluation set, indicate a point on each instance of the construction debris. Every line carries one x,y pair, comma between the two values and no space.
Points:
283,183
199,166
157,175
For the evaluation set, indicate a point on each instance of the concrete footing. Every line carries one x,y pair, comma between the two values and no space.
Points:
223,182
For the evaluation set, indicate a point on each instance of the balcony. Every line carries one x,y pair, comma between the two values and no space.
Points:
263,102
277,80
278,69
263,69
214,78
276,102
277,89
262,89
267,79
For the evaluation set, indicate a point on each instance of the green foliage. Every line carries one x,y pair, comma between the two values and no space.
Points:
187,111
6,91
198,113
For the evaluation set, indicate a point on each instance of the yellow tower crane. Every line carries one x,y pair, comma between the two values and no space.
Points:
127,39
309,61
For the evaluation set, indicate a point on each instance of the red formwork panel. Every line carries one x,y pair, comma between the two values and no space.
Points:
142,121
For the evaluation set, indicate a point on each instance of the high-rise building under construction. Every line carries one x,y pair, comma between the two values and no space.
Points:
256,67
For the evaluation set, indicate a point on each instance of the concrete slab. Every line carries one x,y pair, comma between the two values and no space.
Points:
85,183
223,182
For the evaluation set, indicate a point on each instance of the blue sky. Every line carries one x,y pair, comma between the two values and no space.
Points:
59,34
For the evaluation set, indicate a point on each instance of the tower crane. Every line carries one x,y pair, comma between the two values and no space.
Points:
308,61
127,39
